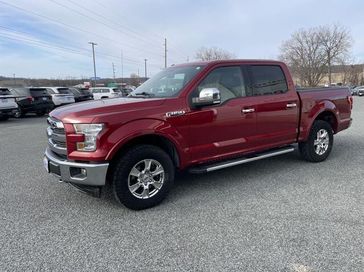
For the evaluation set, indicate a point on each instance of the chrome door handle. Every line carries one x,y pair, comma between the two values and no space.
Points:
291,105
248,110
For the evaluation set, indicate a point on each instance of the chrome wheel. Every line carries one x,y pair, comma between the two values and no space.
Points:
321,143
146,178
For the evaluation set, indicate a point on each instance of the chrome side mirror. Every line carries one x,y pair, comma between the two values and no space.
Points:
207,97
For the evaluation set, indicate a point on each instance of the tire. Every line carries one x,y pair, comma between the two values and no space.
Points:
128,176
4,118
319,144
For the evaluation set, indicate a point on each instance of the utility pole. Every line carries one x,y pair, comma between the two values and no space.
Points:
93,56
14,80
165,53
145,68
122,66
113,71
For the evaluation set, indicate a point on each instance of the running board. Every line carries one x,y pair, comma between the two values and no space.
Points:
221,165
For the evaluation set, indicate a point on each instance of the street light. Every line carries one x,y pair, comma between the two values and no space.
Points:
93,56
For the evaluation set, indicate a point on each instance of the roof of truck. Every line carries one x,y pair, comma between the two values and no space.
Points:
255,61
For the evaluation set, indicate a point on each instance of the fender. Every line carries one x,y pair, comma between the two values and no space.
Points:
144,127
310,116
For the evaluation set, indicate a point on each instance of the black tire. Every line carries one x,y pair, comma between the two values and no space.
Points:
308,149
4,118
132,158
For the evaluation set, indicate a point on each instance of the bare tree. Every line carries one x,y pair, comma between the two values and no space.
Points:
213,53
336,42
305,55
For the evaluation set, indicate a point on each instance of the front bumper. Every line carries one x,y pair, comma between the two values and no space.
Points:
8,112
92,174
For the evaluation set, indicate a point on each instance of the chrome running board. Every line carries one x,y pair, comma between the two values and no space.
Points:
229,163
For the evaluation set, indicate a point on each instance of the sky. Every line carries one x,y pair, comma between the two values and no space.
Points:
50,38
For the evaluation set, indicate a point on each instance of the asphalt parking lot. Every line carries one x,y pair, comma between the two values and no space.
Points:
278,214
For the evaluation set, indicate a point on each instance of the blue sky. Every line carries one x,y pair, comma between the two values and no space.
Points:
49,38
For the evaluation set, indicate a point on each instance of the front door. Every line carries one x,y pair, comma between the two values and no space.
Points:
225,129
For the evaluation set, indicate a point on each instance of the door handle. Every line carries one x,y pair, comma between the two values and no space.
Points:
291,105
248,110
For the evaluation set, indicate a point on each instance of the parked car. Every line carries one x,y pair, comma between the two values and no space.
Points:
33,100
105,92
8,106
206,116
81,94
60,95
360,91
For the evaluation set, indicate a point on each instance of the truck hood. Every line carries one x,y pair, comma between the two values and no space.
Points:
101,110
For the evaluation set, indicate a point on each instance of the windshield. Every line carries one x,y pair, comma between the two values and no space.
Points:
167,83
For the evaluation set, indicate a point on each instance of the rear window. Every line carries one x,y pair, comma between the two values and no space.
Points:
116,90
38,91
4,91
268,79
63,90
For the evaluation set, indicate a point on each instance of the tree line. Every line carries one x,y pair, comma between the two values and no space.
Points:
311,55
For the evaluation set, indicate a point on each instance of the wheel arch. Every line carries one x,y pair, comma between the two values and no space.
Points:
158,140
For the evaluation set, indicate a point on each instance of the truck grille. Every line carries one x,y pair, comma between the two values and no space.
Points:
56,137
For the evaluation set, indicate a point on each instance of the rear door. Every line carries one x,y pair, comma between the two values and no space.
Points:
276,106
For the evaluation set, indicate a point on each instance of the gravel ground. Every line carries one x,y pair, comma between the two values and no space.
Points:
278,214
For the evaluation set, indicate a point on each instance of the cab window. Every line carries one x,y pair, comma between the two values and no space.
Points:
268,79
228,80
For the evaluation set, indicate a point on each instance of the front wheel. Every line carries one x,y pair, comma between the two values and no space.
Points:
143,177
319,143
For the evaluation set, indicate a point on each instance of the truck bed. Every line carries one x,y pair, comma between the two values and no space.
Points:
315,100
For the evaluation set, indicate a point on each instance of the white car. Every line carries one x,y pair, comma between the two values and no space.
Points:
61,95
105,92
8,105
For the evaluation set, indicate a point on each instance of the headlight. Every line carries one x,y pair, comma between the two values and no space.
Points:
90,131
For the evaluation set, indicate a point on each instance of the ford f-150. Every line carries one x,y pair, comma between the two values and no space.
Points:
200,117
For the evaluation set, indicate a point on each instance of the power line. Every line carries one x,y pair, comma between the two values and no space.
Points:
131,31
72,27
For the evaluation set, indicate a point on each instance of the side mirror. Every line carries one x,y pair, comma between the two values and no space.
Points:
207,97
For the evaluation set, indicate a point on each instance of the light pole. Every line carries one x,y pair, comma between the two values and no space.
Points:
145,68
93,56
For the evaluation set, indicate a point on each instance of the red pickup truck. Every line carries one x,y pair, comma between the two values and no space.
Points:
198,116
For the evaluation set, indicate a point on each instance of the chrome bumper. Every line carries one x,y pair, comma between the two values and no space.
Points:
91,174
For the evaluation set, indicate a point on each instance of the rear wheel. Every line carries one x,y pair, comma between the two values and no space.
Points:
143,177
319,143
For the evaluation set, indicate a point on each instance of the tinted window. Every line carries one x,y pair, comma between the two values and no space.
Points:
38,91
63,90
268,80
228,80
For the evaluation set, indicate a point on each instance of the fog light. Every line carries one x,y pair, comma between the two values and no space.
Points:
78,173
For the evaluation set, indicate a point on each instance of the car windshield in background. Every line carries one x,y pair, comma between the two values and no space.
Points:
74,91
167,83
84,91
63,90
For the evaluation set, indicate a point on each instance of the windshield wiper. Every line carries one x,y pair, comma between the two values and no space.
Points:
142,94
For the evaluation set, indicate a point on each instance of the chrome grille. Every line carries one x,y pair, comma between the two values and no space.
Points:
56,137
